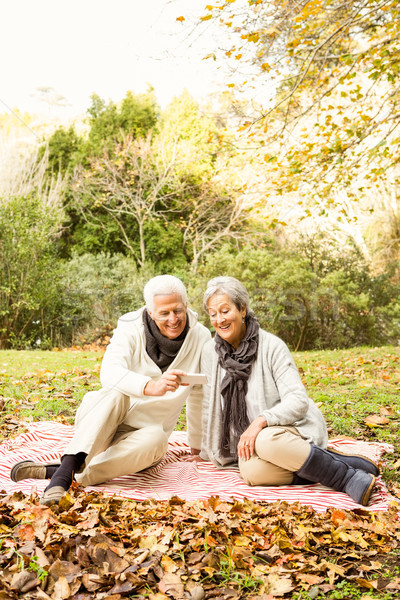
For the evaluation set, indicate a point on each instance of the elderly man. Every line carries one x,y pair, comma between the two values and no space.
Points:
124,427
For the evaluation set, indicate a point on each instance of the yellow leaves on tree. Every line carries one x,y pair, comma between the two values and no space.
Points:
312,51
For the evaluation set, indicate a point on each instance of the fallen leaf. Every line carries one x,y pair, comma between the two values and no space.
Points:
61,589
241,540
101,554
24,581
309,578
393,585
25,532
278,586
386,411
376,421
65,569
91,582
122,587
372,585
149,541
172,585
168,564
197,592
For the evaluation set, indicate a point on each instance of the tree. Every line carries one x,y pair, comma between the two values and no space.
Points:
146,188
215,205
196,131
109,123
213,215
330,72
136,115
31,219
63,149
135,183
29,176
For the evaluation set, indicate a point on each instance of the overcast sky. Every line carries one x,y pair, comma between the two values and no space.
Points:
78,47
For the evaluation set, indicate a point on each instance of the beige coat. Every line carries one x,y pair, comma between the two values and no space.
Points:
127,367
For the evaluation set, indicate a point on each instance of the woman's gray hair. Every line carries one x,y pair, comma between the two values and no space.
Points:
163,285
232,287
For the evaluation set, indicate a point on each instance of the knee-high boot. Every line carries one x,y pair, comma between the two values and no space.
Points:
325,467
357,462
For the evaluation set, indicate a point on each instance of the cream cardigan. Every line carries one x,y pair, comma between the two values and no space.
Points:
127,367
281,396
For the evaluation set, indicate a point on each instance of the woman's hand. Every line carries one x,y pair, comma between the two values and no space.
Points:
169,382
194,456
248,438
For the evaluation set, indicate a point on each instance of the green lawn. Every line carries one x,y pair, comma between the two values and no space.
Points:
44,385
348,386
358,551
15,363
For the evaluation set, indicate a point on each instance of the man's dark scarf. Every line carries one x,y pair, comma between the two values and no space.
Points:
161,349
237,364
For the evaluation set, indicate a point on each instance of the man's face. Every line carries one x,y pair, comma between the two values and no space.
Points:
169,314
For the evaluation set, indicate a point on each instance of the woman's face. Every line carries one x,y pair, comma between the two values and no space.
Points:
226,319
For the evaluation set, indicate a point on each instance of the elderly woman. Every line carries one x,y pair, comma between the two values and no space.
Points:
256,411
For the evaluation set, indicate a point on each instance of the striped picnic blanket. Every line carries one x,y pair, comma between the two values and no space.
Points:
173,476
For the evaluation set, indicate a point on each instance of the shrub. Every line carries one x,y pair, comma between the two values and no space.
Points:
97,290
335,303
30,271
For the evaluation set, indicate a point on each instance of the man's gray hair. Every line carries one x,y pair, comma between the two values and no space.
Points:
232,287
163,285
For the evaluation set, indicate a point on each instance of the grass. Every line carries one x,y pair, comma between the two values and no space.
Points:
351,385
347,385
15,363
43,385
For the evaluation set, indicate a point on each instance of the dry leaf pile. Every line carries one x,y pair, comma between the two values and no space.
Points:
96,546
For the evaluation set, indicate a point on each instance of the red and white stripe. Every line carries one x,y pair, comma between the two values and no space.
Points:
173,476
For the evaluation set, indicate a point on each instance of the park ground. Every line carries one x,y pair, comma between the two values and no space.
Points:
94,546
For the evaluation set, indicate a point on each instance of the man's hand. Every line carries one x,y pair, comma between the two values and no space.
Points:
248,438
169,382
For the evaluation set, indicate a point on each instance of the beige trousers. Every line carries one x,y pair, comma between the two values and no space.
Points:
279,452
113,448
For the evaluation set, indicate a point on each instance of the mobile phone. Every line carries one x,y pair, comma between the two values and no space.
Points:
193,378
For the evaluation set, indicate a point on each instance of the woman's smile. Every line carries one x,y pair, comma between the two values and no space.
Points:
227,319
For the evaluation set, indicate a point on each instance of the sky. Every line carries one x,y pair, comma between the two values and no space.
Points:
78,47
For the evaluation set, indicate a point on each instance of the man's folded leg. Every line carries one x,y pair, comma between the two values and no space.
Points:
97,420
131,451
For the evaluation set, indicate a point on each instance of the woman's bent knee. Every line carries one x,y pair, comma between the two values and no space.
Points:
256,471
282,446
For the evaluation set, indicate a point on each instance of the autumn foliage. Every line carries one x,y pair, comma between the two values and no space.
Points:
94,546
